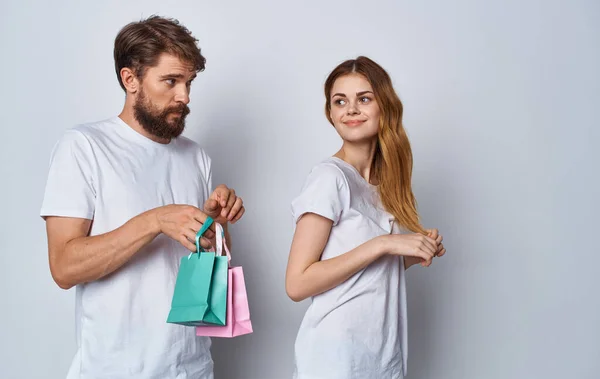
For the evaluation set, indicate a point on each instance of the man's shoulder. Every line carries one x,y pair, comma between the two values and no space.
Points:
189,143
87,131
94,128
192,147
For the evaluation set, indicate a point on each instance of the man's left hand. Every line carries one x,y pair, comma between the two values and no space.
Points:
224,206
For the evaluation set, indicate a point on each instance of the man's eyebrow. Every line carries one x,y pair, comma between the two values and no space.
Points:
176,76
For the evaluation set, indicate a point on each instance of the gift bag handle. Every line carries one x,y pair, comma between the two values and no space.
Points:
207,223
221,242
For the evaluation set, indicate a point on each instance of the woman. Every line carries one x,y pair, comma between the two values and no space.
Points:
357,230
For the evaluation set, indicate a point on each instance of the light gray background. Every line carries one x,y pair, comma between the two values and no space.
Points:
501,103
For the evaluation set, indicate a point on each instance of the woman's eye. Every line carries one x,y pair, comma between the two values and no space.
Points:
340,102
364,100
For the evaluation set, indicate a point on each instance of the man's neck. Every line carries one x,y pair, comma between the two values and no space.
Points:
127,115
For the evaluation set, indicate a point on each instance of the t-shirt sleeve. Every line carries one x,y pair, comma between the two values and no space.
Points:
70,184
209,176
325,192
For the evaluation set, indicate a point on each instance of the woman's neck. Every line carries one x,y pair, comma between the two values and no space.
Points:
360,156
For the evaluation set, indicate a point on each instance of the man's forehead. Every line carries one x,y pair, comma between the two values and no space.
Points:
168,63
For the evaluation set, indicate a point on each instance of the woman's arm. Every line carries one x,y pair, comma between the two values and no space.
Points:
308,276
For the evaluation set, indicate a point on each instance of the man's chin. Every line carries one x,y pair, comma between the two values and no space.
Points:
178,129
172,122
175,124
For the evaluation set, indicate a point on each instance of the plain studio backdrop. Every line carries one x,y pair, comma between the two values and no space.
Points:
501,102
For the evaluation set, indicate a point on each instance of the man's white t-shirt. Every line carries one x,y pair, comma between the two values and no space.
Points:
109,173
357,329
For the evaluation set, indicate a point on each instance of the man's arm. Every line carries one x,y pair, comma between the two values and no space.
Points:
77,258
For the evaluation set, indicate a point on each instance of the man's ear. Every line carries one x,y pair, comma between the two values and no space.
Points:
130,80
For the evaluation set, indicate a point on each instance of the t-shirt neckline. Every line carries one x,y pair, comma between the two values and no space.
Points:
138,136
354,170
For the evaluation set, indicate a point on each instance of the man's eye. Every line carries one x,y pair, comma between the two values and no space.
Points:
170,82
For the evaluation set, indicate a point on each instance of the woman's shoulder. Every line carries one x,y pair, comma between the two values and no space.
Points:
332,170
329,167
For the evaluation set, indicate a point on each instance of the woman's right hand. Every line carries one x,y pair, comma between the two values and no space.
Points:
411,245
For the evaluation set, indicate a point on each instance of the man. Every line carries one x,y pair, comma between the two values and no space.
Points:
122,206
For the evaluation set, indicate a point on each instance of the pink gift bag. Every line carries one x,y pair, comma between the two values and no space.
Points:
238,311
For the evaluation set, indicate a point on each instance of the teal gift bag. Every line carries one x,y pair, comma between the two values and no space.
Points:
200,294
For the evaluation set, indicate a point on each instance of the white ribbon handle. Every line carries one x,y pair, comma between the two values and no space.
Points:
221,242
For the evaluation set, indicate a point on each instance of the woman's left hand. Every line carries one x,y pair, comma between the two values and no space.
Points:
434,233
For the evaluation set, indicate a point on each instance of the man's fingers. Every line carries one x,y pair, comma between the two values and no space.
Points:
230,203
190,235
201,217
208,234
205,243
239,215
235,208
196,226
188,242
188,245
222,195
211,205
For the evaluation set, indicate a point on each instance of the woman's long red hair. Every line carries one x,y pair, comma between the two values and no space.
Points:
393,161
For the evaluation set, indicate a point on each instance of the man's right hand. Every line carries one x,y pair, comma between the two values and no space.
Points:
76,257
181,223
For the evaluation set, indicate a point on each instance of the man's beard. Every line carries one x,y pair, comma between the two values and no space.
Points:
157,123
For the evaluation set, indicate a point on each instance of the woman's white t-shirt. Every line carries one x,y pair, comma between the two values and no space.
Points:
356,330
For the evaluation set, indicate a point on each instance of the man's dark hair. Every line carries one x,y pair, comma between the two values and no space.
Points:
139,45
